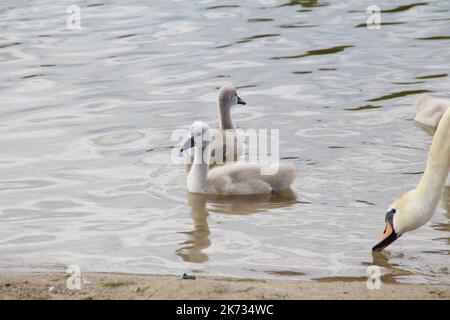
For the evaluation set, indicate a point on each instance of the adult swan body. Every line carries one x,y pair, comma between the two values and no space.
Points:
414,208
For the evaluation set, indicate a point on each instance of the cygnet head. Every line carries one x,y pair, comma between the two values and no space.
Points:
199,135
229,97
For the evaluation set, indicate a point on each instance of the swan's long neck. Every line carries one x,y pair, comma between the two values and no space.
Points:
225,115
430,187
197,178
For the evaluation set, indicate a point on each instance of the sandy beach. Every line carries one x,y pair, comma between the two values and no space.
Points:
119,286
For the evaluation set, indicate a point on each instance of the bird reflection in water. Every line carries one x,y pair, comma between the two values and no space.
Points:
392,271
198,239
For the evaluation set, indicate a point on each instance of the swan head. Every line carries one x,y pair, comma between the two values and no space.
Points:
404,214
199,135
229,96
389,234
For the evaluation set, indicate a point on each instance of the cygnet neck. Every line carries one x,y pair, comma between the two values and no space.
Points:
197,178
225,115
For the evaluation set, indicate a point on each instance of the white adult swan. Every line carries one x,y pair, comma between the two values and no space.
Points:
231,179
414,208
226,145
429,112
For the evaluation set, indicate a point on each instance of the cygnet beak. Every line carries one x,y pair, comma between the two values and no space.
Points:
240,101
189,143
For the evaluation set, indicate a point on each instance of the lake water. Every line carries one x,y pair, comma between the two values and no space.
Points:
86,118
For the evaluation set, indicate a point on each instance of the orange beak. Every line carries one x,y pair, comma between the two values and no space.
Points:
388,235
387,232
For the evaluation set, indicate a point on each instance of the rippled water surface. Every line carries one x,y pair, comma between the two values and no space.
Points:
86,118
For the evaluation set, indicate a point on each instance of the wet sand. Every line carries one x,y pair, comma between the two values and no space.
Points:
119,286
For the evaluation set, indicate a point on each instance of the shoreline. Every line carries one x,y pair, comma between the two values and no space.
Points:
99,286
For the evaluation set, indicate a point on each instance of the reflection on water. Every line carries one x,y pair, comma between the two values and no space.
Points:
87,115
364,107
198,237
315,52
390,272
382,24
258,36
223,6
399,94
435,38
305,3
404,7
440,75
393,271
